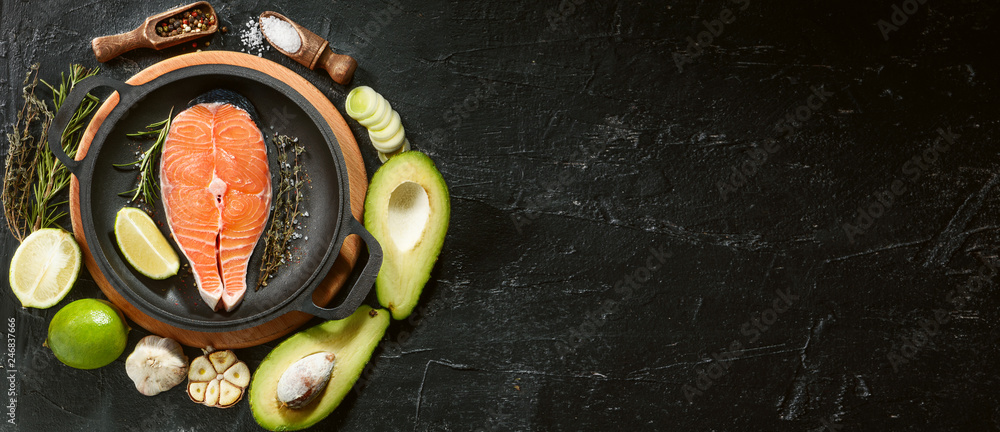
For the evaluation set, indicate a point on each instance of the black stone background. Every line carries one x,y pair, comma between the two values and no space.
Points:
573,147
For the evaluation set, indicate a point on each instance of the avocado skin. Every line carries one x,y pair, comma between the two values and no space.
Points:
404,274
352,341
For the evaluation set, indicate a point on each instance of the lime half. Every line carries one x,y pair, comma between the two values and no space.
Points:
44,268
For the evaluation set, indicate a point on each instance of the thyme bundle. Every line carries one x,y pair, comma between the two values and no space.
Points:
284,222
32,175
19,169
148,186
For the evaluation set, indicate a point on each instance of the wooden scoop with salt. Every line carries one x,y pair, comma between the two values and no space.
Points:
305,47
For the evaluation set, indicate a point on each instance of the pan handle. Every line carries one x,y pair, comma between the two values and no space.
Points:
361,287
68,108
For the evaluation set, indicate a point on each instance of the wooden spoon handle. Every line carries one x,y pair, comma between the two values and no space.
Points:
340,67
109,47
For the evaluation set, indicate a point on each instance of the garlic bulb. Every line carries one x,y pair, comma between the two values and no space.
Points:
157,364
217,379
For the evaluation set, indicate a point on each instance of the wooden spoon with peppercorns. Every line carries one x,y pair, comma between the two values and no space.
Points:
164,30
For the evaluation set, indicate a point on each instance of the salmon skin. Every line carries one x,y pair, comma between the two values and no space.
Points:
216,188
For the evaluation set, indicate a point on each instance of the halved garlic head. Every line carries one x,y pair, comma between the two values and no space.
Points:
218,379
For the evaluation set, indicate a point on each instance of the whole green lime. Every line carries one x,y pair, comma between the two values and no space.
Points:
87,334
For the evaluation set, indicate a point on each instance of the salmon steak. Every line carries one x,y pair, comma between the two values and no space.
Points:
216,188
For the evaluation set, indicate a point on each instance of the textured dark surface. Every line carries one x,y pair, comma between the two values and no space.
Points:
579,155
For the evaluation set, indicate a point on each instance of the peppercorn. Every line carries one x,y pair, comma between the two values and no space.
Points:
194,20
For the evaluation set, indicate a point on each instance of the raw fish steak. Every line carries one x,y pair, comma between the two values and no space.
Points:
216,189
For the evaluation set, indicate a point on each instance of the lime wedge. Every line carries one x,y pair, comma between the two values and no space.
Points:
143,245
44,268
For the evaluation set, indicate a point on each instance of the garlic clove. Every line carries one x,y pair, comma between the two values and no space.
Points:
229,394
238,374
201,370
196,391
156,365
212,393
222,360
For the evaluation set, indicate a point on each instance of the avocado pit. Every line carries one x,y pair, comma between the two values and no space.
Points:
305,379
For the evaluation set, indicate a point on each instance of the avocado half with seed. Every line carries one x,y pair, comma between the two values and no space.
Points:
352,341
407,210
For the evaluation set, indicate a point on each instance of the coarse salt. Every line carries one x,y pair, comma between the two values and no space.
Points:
281,34
252,39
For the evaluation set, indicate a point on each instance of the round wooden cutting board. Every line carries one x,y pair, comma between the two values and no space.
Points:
348,254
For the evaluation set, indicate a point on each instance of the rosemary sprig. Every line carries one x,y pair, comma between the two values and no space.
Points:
286,208
148,186
32,176
53,176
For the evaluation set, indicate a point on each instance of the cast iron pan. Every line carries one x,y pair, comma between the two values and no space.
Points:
280,109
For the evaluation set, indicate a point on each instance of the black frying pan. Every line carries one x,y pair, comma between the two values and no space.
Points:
280,109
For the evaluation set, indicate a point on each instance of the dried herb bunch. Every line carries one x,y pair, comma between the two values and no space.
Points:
148,186
19,171
32,175
287,200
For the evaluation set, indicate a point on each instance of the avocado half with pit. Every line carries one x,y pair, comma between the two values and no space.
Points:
407,210
352,341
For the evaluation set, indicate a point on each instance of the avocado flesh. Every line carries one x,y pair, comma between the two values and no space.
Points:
352,341
410,224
